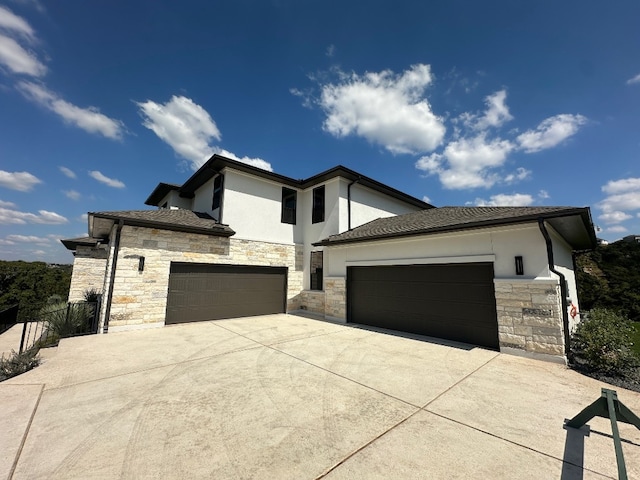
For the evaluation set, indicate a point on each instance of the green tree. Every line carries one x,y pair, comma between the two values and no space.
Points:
30,284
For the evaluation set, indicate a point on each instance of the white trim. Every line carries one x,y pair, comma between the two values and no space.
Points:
424,260
550,281
418,237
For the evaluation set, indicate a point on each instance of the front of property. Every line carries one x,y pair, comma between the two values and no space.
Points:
235,240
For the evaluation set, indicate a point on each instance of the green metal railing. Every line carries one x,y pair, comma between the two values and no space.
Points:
608,406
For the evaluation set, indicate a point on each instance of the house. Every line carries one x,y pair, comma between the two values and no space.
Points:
631,239
235,240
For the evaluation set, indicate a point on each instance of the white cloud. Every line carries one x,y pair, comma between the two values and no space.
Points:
634,80
331,50
467,162
32,3
18,59
68,172
72,194
184,125
623,201
256,162
496,114
27,239
614,217
505,200
9,21
551,132
426,199
111,182
21,181
617,229
88,119
188,129
621,186
7,204
385,108
83,217
543,194
12,216
519,175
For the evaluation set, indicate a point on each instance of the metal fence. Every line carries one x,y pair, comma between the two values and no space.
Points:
8,318
73,319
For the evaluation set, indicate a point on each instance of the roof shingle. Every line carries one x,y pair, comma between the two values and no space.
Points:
444,219
169,219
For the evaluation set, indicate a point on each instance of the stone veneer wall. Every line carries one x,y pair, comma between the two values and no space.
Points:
140,298
311,301
530,315
335,303
88,271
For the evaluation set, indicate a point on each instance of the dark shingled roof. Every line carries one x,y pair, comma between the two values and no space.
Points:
218,163
167,219
73,243
446,219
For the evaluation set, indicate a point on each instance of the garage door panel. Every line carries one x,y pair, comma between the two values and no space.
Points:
200,292
453,301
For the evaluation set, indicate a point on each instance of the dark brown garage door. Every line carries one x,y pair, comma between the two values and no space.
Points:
452,301
200,292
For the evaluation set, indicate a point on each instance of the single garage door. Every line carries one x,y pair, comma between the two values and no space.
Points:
452,301
200,292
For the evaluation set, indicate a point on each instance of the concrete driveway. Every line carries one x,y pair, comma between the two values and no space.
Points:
288,397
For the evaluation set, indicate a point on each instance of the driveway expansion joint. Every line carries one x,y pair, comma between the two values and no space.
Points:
460,381
26,433
516,444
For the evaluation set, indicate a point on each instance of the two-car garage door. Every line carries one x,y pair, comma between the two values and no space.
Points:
451,301
200,292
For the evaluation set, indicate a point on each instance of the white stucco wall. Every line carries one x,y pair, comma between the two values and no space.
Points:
203,198
367,205
563,260
501,244
174,200
252,206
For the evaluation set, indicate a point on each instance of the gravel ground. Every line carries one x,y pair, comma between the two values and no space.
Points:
629,379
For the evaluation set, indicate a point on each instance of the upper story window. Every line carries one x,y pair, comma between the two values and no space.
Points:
317,214
289,199
216,203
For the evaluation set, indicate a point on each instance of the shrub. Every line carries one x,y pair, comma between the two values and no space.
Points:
65,320
53,299
18,363
91,295
603,342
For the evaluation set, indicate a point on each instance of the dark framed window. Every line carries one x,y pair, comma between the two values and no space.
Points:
289,200
316,271
317,214
216,203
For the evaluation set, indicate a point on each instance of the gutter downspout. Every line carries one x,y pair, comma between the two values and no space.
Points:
116,248
563,287
349,202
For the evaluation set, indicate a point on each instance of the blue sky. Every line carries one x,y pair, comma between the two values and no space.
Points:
457,102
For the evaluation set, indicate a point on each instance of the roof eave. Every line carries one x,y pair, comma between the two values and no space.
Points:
222,231
583,212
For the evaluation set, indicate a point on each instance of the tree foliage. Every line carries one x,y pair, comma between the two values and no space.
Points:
603,341
30,284
609,277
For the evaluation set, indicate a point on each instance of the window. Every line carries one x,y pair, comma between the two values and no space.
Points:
316,271
289,198
317,214
216,203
